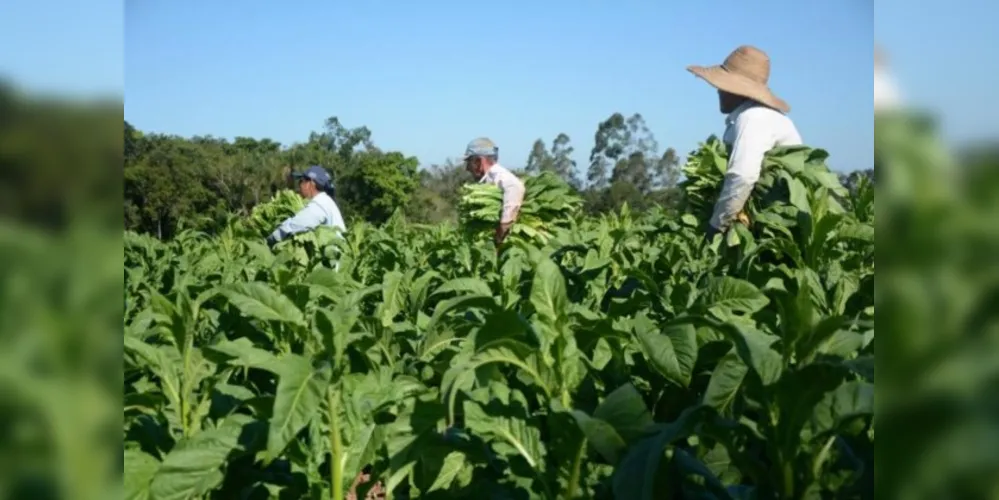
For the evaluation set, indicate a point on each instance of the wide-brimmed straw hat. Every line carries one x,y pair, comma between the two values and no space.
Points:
745,72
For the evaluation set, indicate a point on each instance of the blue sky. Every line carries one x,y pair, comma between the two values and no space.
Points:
426,77
942,52
69,47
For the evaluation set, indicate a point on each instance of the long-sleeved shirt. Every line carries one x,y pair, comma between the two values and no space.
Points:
513,191
321,210
751,131
886,95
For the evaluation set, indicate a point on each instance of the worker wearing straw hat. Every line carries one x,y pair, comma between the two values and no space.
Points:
756,122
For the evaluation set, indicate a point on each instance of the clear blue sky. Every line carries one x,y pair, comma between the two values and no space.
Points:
428,76
942,52
69,47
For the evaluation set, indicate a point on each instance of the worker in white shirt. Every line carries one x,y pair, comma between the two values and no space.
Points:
482,160
757,121
886,95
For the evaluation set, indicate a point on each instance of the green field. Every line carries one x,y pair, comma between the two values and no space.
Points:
621,356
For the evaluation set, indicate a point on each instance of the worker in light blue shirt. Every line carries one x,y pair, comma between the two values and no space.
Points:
313,184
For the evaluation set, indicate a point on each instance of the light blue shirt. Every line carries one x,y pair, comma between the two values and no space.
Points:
320,211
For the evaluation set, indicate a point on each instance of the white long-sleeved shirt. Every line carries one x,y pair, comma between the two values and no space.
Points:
886,95
321,210
512,187
751,131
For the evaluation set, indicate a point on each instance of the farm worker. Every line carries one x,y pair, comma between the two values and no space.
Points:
482,160
756,121
313,184
886,95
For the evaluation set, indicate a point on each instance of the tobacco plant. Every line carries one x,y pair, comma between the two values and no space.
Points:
624,357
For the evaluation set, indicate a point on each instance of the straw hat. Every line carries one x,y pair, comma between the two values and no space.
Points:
745,72
880,58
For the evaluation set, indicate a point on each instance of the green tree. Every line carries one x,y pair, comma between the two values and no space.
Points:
436,200
667,171
539,160
562,163
166,185
558,160
608,146
171,181
377,184
625,149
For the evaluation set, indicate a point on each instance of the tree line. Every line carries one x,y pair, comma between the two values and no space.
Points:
59,159
198,182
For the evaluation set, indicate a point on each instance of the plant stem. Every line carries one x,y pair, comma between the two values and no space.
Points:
822,456
577,463
788,486
185,385
336,447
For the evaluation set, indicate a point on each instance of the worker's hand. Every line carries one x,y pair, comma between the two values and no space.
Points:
743,218
502,230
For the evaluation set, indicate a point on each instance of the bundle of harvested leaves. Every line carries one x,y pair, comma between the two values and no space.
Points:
266,216
548,203
791,175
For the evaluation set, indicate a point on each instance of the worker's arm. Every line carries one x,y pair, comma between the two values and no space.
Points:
307,218
752,140
513,198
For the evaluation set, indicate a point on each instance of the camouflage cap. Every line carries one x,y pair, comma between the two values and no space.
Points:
482,146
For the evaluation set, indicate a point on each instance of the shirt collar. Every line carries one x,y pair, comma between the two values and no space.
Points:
731,117
485,175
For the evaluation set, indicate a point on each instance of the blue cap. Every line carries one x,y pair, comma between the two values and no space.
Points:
317,174
481,147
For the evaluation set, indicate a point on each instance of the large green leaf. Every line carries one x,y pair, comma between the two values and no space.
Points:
635,477
464,286
796,397
754,349
393,297
503,326
300,391
625,409
140,468
515,354
242,352
732,295
725,382
260,301
851,399
671,350
621,418
548,293
697,476
798,195
454,464
459,304
193,467
601,436
501,414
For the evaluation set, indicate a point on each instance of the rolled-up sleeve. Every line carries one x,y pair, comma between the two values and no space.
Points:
752,139
308,218
513,197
